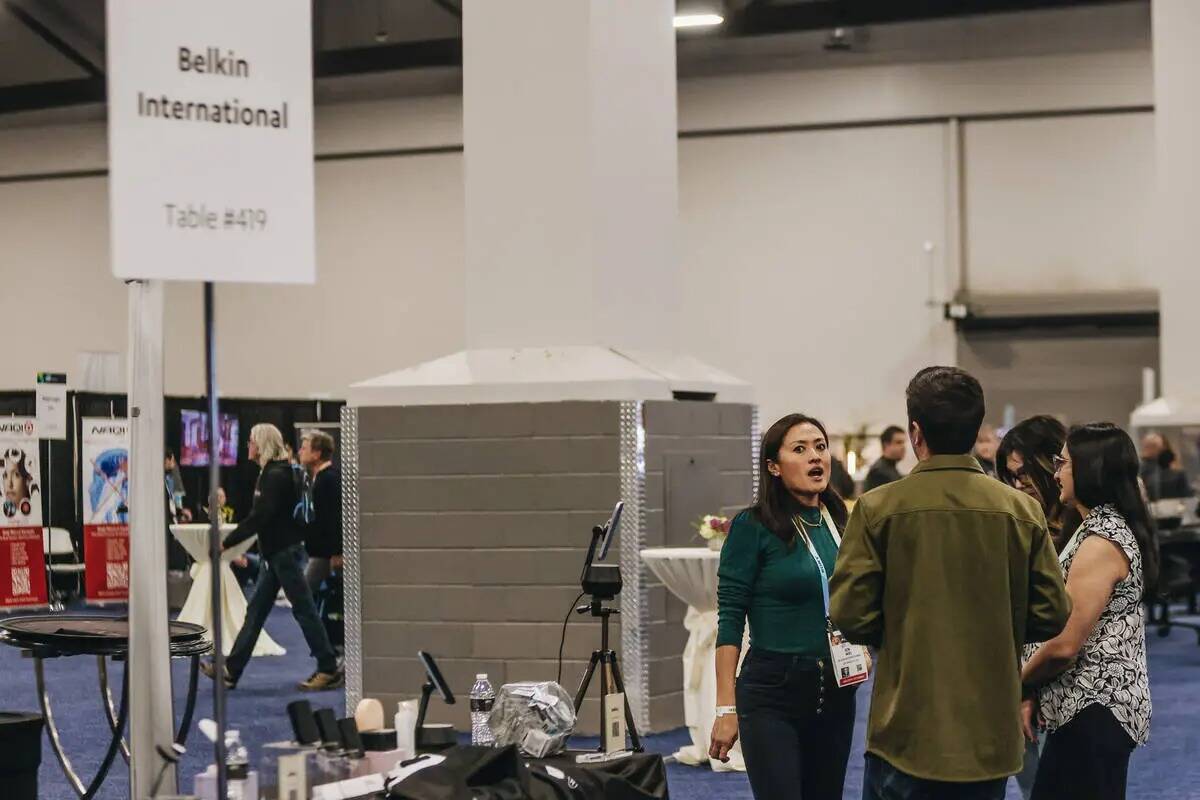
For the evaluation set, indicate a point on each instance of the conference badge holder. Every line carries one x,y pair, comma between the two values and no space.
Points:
849,661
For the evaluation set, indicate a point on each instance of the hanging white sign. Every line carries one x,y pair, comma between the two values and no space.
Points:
51,402
210,140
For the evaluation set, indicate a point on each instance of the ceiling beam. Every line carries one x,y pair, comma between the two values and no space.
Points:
330,64
761,18
53,26
52,94
386,58
449,8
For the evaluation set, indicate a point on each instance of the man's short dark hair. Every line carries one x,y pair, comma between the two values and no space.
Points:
169,453
948,405
889,433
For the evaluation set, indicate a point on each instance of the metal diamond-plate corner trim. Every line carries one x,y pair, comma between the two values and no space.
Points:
755,449
635,644
351,561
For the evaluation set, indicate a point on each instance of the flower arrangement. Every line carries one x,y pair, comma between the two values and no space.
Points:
713,529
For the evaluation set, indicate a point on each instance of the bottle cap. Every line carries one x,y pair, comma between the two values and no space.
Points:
481,676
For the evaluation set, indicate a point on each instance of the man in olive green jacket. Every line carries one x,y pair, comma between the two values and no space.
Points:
948,572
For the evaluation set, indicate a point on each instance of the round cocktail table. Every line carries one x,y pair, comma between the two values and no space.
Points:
66,635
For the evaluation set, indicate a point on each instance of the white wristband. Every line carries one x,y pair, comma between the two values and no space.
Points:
724,711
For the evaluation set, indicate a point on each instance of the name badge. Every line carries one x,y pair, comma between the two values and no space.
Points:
849,660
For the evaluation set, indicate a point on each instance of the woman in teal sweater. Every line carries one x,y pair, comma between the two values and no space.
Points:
794,722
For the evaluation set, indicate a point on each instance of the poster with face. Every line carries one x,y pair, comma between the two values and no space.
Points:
104,479
22,563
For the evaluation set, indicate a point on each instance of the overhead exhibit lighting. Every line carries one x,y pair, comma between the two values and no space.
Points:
698,20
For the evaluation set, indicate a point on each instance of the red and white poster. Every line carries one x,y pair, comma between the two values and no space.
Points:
22,559
105,482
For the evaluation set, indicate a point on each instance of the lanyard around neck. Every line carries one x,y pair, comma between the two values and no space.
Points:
837,542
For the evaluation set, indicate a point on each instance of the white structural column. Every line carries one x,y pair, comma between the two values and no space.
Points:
569,127
151,718
1176,249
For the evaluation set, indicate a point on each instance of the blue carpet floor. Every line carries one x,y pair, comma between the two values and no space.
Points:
1168,769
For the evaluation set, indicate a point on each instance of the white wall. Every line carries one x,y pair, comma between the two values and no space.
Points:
824,228
1059,204
806,269
389,287
897,91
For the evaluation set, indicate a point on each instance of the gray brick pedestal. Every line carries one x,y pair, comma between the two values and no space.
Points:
467,526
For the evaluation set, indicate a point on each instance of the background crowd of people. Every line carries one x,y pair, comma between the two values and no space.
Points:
1006,616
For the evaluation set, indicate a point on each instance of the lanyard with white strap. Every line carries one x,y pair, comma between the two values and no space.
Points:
837,543
849,661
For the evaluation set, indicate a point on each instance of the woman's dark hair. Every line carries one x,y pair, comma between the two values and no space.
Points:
948,405
1105,464
774,506
1037,441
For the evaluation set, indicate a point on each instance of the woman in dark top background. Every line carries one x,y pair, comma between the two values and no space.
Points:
280,541
795,724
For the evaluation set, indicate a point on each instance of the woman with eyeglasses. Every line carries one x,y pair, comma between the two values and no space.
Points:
1091,680
1025,461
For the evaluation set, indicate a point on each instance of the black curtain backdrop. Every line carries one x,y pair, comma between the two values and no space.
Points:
62,496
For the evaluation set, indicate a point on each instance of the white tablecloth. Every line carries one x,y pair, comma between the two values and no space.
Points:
690,573
198,607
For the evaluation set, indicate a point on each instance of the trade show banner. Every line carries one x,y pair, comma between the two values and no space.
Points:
105,481
22,562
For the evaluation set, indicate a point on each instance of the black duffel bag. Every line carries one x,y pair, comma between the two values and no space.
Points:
465,773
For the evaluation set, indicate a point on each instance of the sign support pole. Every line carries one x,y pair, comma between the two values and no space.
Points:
214,534
151,717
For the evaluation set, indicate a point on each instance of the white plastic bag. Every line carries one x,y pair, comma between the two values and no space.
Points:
537,717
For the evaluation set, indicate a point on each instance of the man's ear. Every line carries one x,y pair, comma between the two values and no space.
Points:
915,435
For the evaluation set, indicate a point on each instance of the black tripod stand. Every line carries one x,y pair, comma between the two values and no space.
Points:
603,583
606,658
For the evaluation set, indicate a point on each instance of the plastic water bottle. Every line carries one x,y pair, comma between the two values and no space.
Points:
237,766
483,697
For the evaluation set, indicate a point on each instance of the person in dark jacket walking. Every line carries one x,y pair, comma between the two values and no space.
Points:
894,442
280,541
323,529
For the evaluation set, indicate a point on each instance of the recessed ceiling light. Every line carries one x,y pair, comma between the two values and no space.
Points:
698,20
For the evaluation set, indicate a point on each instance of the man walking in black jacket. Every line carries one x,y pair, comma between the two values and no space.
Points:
323,531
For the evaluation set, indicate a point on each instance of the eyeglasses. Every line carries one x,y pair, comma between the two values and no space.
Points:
1018,479
1060,463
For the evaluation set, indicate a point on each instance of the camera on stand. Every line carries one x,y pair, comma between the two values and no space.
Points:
602,582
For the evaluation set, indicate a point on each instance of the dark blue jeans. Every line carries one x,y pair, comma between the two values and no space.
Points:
795,725
882,781
282,570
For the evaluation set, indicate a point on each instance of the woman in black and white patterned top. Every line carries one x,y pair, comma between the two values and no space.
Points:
1093,688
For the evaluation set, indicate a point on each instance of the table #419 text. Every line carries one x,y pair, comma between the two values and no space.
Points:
198,216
